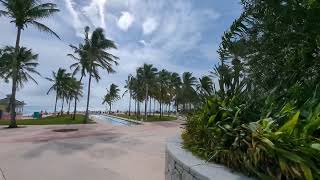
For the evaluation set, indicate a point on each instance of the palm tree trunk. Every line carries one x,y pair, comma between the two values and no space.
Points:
146,104
138,109
150,106
13,123
75,108
160,109
55,105
75,101
69,103
129,103
154,106
109,108
62,106
88,101
177,107
135,107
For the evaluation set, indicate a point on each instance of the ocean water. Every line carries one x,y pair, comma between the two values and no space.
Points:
29,110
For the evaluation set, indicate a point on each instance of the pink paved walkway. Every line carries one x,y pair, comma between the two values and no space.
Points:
98,151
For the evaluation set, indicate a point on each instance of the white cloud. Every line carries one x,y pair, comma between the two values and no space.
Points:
125,21
143,42
173,35
149,25
76,21
95,12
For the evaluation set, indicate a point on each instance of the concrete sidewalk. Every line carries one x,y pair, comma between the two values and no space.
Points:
98,152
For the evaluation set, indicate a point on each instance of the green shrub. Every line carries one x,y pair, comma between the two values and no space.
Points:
282,145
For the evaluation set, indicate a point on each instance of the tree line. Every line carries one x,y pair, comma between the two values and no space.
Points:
150,86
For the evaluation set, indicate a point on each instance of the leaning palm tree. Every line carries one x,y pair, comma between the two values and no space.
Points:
147,73
79,67
26,64
59,79
96,57
24,13
111,96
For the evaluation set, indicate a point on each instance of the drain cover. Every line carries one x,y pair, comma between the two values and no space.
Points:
65,130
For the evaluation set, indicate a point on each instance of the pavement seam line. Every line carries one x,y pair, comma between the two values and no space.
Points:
4,177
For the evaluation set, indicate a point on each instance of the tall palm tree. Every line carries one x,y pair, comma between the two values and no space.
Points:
80,65
147,73
26,64
129,86
111,96
59,79
24,13
96,57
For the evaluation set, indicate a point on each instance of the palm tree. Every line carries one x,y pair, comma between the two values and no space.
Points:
24,13
96,57
205,86
59,79
76,92
91,56
111,96
163,80
129,86
26,64
176,83
147,73
80,65
188,92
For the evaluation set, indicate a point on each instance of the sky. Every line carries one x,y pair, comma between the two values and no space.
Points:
177,35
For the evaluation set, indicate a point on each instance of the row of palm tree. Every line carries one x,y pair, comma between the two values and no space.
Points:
66,87
166,88
91,55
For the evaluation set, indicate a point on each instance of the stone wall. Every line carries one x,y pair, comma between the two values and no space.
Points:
182,165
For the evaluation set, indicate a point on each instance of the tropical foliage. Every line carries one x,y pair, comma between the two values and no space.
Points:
263,118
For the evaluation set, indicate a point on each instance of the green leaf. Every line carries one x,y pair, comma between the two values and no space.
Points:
315,146
307,172
211,120
290,125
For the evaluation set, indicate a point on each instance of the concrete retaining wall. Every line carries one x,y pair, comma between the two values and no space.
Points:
182,165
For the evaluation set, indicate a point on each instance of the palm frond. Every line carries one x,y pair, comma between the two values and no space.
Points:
43,28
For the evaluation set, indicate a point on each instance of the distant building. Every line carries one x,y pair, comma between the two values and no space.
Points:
5,108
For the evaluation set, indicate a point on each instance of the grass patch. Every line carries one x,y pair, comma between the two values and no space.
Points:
53,120
155,118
